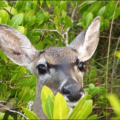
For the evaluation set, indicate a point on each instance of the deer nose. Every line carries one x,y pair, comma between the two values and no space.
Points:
72,90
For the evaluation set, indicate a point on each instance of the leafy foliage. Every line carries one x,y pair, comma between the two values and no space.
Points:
56,23
29,114
55,107
115,105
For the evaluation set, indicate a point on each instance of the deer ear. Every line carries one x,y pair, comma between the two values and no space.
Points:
16,46
86,42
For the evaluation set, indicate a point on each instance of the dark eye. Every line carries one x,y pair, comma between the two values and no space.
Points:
81,66
42,69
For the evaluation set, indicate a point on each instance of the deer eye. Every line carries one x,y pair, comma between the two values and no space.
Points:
42,69
81,66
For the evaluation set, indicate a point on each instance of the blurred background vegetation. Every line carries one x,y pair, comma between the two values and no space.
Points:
56,23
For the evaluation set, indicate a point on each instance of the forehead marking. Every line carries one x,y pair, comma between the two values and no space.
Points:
56,55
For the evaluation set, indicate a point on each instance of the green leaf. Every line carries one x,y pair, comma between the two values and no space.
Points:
4,16
3,88
35,38
28,6
63,13
40,17
110,8
79,24
20,6
106,24
88,19
29,114
47,40
95,91
93,74
60,107
21,29
3,3
114,101
56,20
44,98
24,95
117,54
101,11
30,13
91,1
20,71
34,2
3,56
46,16
41,2
16,20
11,10
32,81
93,117
106,113
93,8
40,14
117,13
62,5
77,108
49,3
49,105
91,86
68,22
31,21
57,11
40,46
44,94
2,116
85,110
24,82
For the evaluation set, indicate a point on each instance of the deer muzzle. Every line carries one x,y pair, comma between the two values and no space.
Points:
72,91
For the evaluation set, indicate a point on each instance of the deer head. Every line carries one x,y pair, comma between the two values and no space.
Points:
60,68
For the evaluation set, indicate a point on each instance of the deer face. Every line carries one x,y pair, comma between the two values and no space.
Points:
60,68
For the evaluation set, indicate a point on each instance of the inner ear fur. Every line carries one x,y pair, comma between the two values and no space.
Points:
86,42
16,45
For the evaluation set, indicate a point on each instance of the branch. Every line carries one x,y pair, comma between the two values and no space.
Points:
51,21
64,35
109,44
82,4
47,30
67,30
98,107
50,31
3,107
30,104
18,113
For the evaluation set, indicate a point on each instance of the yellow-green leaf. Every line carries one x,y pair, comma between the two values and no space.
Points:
77,108
114,101
21,29
117,54
44,94
2,116
4,16
16,20
29,114
49,104
60,107
11,10
85,110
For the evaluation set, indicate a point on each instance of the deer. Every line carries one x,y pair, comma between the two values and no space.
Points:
59,68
